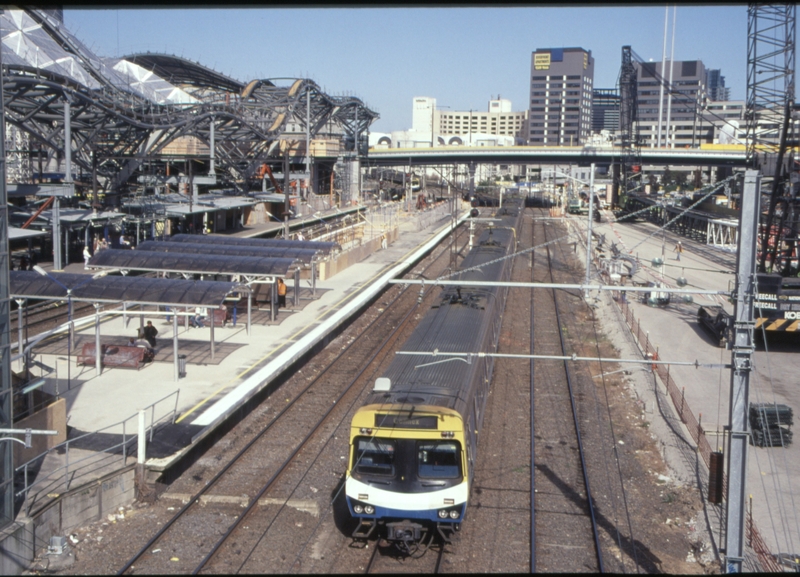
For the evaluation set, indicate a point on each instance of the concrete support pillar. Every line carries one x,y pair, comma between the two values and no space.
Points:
211,320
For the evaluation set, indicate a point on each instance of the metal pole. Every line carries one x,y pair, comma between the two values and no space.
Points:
175,347
308,140
272,298
67,141
589,236
212,319
98,353
140,454
296,288
211,171
741,361
286,194
57,233
314,279
249,311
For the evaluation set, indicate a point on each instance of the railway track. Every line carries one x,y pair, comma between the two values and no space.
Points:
266,504
566,530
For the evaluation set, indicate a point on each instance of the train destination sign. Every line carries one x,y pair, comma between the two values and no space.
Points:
403,422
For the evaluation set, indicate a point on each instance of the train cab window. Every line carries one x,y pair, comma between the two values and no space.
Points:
375,456
439,460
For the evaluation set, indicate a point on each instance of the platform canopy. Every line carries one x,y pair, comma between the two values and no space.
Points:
326,247
116,289
301,254
184,263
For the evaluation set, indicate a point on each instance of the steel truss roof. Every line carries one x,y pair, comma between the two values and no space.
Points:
126,111
115,289
301,254
326,247
184,263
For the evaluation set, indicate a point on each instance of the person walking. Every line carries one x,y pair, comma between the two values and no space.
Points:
150,332
678,250
281,293
86,256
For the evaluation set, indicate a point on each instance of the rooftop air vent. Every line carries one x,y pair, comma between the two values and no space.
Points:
382,385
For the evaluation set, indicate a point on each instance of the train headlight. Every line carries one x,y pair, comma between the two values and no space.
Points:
365,431
358,508
454,514
443,513
369,509
448,434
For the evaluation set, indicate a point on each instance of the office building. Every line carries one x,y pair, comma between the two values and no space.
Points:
498,120
680,112
715,86
560,97
605,110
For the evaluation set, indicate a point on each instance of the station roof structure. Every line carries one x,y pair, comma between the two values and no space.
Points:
183,263
15,233
116,289
327,247
302,254
124,111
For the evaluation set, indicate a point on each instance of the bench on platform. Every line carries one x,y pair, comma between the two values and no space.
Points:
219,317
114,356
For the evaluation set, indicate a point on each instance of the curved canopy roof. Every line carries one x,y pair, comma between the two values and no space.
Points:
190,263
301,254
115,289
179,70
326,247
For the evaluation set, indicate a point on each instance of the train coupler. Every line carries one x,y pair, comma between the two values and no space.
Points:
365,528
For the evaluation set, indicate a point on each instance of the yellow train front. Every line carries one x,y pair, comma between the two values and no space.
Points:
408,469
414,442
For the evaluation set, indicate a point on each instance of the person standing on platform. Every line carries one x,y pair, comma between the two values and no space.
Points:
281,293
150,332
86,256
678,250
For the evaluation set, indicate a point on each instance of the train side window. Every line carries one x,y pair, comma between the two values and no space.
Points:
375,456
439,460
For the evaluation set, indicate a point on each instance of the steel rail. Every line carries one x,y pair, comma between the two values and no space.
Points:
533,432
589,499
254,501
195,498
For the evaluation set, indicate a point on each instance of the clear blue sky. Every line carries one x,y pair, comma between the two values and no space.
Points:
386,56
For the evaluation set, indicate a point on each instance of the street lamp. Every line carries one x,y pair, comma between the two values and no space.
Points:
71,336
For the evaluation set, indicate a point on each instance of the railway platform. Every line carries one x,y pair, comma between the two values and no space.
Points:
102,411
773,473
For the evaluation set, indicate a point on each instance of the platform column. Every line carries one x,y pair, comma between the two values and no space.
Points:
296,288
98,353
175,346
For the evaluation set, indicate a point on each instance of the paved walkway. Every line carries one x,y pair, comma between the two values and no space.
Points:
773,477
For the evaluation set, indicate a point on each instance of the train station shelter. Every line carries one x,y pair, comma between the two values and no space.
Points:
100,289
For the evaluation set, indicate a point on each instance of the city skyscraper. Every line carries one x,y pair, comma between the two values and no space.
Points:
561,96
715,86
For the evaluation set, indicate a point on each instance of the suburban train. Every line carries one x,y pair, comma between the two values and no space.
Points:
413,444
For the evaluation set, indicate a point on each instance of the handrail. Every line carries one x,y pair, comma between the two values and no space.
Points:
69,471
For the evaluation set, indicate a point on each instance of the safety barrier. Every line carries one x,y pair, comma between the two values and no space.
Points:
38,487
694,425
